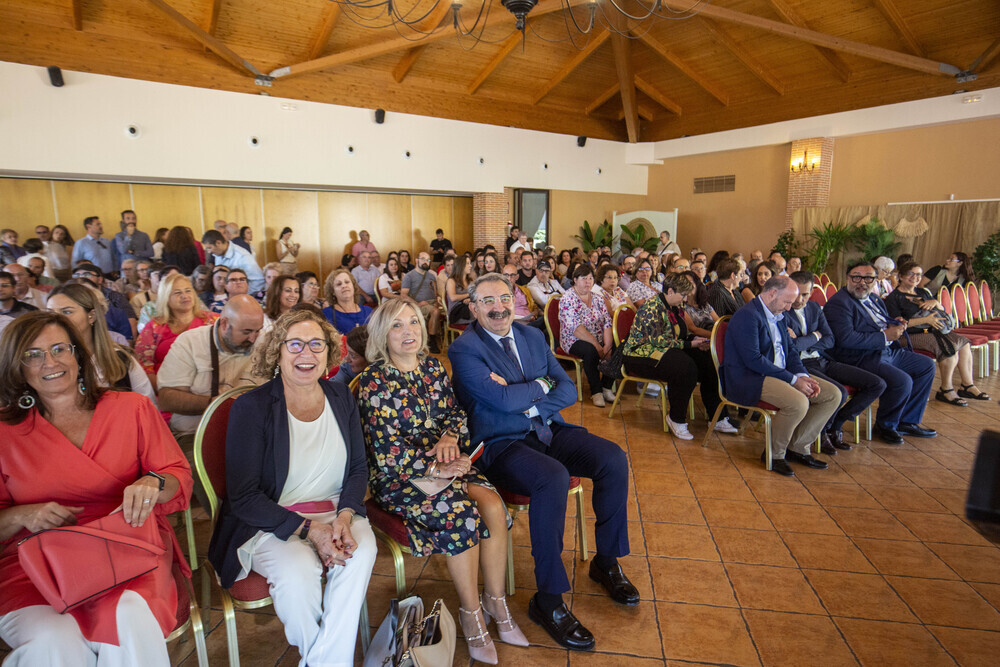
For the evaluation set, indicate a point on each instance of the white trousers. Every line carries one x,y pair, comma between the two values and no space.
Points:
39,635
323,625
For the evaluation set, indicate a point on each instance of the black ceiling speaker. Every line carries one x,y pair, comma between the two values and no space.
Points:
379,116
581,141
55,76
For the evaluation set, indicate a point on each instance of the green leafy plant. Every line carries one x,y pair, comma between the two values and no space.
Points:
593,238
786,244
637,238
827,240
986,261
873,240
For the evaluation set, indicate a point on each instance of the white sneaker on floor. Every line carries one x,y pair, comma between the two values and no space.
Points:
598,400
652,389
679,430
723,426
609,395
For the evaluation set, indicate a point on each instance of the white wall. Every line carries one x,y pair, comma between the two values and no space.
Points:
201,136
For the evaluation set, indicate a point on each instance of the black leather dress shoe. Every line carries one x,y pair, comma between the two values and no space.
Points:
825,446
562,626
837,440
889,436
917,431
615,583
779,466
806,460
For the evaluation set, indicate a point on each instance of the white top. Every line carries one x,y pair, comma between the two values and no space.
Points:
317,459
383,283
158,250
137,377
57,256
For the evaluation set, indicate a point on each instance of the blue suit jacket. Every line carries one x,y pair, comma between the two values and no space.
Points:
815,321
496,413
257,451
749,355
857,339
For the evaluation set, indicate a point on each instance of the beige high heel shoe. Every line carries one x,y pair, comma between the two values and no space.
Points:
478,638
506,627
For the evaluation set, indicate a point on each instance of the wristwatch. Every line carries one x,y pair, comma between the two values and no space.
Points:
304,533
160,478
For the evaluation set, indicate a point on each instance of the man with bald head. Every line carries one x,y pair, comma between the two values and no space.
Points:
761,364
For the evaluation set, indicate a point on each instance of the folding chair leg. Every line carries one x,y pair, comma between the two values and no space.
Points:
715,418
510,559
618,395
767,438
579,381
819,443
691,407
857,430
581,524
364,629
868,427
230,616
192,548
664,408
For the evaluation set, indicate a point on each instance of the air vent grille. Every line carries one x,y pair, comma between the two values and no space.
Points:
710,184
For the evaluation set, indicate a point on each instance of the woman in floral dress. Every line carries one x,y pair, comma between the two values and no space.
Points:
414,428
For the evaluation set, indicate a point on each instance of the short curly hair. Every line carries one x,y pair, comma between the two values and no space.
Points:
267,351
331,296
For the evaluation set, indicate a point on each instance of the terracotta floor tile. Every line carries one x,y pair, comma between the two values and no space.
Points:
833,475
971,563
773,588
647,462
671,509
953,499
797,639
756,547
881,644
926,478
906,458
679,541
780,491
734,514
695,581
905,558
971,648
617,628
941,528
801,519
598,659
705,634
904,498
636,539
826,552
858,595
662,484
843,495
727,488
876,475
635,567
860,455
858,522
954,603
989,591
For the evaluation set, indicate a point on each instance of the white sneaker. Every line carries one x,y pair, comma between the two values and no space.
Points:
723,426
598,400
679,430
652,389
609,395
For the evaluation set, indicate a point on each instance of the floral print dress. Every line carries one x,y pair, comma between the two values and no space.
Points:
403,415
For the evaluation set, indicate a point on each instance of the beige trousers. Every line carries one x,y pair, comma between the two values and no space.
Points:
799,419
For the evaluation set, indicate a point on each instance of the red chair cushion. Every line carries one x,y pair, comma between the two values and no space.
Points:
213,447
511,498
764,405
253,587
974,337
390,524
458,327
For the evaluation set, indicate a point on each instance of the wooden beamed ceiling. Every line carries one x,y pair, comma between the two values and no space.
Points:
728,64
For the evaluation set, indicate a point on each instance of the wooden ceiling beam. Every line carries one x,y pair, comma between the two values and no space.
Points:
895,19
905,60
208,41
331,14
755,66
832,58
384,46
212,20
985,60
645,113
509,45
406,63
602,98
77,14
658,97
622,47
685,69
596,41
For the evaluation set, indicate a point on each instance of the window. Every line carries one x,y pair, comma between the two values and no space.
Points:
531,214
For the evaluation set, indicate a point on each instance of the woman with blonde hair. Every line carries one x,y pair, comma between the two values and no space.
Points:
178,309
414,428
344,295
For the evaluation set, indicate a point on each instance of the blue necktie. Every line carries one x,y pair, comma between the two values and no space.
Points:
538,424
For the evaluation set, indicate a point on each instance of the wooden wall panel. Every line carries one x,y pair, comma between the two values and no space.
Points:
299,210
390,222
341,216
166,206
76,200
430,213
462,224
239,205
25,204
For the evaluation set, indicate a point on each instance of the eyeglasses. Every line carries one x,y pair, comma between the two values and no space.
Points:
505,299
35,357
510,275
236,280
645,268
868,280
84,274
297,345
916,274
682,267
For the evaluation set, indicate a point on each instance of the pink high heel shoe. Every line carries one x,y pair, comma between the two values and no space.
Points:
481,647
506,627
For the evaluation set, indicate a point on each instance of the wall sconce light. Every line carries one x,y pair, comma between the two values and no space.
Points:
804,163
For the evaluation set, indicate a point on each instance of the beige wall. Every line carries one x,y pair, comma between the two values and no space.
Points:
924,164
748,218
569,209
324,223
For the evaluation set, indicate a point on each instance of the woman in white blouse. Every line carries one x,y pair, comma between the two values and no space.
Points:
288,253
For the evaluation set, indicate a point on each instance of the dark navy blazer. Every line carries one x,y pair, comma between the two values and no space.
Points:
749,355
496,413
815,321
257,450
857,339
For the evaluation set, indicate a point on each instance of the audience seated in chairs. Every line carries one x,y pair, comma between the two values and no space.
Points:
296,481
642,286
759,275
607,289
724,294
585,331
355,360
699,316
282,295
456,291
346,309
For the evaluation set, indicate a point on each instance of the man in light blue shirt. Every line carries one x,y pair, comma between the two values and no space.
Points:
233,256
92,248
130,243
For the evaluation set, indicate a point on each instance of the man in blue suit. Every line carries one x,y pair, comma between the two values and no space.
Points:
864,335
512,388
761,364
812,338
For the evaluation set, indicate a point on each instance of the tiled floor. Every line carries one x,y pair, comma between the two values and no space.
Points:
868,562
